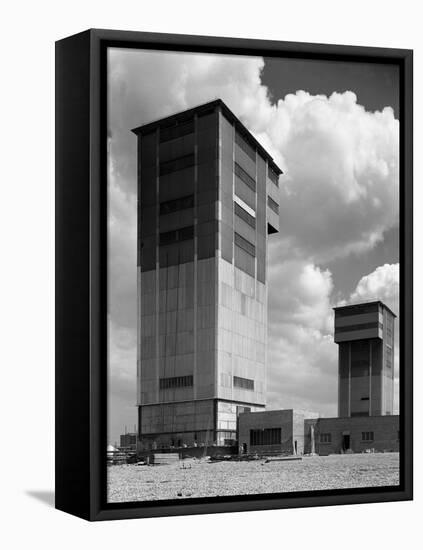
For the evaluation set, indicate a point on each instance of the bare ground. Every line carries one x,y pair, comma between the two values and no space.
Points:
199,478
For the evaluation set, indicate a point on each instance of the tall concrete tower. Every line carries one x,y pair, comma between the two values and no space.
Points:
365,335
208,197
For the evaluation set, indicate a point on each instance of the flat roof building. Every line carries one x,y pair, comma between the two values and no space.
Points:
208,196
365,336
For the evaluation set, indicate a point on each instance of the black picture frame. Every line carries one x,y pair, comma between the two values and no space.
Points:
81,273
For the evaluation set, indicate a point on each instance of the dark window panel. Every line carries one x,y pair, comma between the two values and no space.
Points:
244,261
244,244
176,204
245,193
177,235
363,326
268,436
244,383
245,146
273,205
177,164
176,382
356,310
244,215
176,130
246,178
273,177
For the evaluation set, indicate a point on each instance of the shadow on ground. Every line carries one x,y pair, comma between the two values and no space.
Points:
46,497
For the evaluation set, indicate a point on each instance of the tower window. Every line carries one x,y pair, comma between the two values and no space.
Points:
176,204
273,205
326,438
244,383
176,236
176,382
246,147
245,245
176,164
272,175
176,130
246,178
244,215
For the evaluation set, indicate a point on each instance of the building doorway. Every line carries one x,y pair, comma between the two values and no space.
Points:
346,442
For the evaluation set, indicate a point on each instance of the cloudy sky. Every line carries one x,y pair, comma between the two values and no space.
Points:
333,129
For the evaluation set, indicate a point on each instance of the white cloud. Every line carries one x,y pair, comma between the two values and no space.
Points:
382,284
302,359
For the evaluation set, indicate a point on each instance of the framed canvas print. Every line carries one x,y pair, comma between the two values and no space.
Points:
234,274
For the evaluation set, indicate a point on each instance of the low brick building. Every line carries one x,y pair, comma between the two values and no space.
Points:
338,435
279,431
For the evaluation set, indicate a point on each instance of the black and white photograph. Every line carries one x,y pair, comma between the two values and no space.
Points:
253,302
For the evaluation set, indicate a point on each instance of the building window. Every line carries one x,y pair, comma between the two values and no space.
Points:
363,326
246,147
176,130
176,204
357,310
245,245
176,236
367,436
273,205
246,178
326,438
388,350
272,175
177,164
176,382
389,326
244,383
244,215
266,436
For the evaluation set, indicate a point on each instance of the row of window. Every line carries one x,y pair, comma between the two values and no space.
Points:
243,176
244,215
273,205
176,382
267,436
272,175
176,130
244,383
174,205
365,436
177,164
176,236
362,326
246,147
388,350
356,310
245,245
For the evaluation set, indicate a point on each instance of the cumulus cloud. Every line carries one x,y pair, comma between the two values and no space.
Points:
381,284
302,359
339,195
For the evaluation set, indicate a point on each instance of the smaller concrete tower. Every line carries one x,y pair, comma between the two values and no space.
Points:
365,335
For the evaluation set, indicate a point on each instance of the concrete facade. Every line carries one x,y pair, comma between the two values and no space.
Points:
207,199
339,435
365,336
277,431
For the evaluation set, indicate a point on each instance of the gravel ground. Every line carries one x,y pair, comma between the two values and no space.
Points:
199,478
